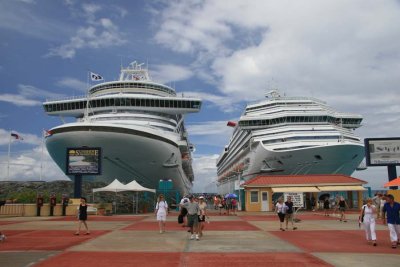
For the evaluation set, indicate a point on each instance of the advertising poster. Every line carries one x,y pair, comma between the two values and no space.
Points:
83,161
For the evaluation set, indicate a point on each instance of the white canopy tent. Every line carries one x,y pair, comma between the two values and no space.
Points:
116,186
136,187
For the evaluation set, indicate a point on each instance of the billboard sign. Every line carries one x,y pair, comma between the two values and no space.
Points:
83,161
297,199
382,151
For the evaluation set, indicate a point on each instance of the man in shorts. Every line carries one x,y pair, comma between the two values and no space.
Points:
192,216
289,213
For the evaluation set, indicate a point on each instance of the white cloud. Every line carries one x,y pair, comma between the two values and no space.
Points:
31,165
210,133
26,164
18,100
170,73
224,103
309,47
28,96
73,83
28,1
345,53
375,176
20,16
28,138
205,171
97,33
91,9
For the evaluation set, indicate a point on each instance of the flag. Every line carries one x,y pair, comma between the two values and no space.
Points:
95,77
231,124
47,133
16,136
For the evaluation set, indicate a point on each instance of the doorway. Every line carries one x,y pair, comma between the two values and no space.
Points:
264,201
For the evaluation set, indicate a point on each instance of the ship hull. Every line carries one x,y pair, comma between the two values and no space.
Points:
127,154
328,159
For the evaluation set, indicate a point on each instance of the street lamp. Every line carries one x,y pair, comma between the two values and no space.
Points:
239,174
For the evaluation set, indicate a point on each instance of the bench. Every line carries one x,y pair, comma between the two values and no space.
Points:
91,209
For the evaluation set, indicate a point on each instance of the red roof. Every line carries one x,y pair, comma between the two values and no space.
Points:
312,179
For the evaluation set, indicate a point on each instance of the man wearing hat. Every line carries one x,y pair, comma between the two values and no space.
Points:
192,216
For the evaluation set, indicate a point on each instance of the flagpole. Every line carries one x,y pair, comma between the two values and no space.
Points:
41,156
8,156
86,115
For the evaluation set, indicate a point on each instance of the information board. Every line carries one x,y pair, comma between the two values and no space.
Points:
83,161
297,199
382,151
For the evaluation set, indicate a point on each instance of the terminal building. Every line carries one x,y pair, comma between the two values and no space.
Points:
261,192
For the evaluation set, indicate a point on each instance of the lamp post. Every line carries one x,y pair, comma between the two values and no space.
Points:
239,201
239,174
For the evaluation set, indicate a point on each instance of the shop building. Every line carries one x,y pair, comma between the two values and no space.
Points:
261,191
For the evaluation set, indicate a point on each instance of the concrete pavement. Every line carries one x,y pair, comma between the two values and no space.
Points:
249,239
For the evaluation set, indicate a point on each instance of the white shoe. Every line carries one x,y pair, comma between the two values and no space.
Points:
160,232
197,237
191,237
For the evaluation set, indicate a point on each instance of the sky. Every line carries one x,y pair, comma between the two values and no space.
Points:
227,52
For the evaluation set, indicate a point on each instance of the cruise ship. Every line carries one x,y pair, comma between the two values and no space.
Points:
289,136
137,123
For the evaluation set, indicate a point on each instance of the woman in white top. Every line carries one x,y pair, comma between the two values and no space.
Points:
368,213
280,208
202,214
161,212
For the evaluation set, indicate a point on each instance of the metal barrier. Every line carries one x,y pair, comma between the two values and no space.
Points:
12,209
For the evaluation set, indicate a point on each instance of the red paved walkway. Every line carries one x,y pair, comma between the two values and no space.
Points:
337,241
18,240
98,218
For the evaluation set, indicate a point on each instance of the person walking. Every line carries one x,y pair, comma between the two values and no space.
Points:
82,216
161,212
192,216
202,215
2,237
234,204
392,211
280,209
376,200
342,209
326,206
336,205
367,218
289,213
382,202
183,211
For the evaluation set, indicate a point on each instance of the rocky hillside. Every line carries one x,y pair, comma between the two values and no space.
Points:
26,192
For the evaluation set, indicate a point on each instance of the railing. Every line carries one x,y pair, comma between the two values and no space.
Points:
12,209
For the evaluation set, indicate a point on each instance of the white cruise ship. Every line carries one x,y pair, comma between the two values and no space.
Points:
137,123
289,136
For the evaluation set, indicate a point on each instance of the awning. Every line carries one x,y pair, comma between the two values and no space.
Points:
294,189
342,188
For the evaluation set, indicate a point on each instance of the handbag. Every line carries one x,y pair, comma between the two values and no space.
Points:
361,218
